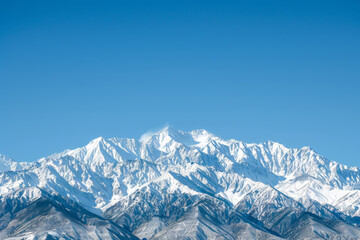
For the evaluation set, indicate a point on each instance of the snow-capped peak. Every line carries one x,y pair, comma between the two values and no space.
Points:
168,138
8,164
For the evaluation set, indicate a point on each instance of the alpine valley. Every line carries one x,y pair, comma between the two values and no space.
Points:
179,185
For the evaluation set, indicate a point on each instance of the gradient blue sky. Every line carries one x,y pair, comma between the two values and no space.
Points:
288,71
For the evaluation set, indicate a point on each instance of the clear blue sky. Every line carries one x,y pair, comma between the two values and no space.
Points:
287,71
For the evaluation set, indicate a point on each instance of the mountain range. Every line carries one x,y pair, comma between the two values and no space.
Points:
174,184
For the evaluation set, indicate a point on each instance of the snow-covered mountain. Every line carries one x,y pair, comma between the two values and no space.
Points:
175,184
8,164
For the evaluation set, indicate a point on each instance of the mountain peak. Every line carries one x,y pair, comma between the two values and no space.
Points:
167,130
8,164
168,138
97,140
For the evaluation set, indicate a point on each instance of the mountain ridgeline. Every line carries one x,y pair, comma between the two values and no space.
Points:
179,185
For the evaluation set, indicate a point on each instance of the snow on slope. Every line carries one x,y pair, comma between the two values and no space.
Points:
132,175
32,213
8,164
299,173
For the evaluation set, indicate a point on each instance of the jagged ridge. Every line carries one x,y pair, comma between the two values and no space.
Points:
162,178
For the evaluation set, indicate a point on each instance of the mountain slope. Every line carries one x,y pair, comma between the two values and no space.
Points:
33,213
8,164
309,226
158,185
